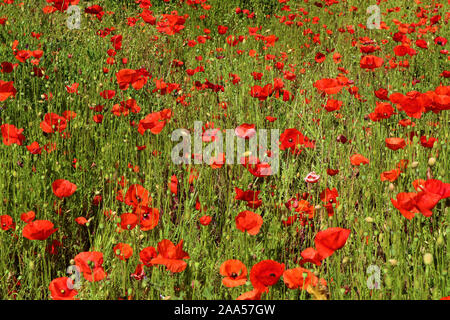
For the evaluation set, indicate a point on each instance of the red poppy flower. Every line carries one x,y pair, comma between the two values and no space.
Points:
38,230
328,86
333,105
148,217
265,274
91,265
7,223
128,221
27,217
248,221
383,110
11,134
406,204
395,143
7,90
205,220
63,188
173,184
358,159
235,273
59,289
250,196
222,29
139,273
171,256
256,167
300,278
53,123
137,195
371,62
427,143
123,251
262,93
146,255
155,121
311,255
81,221
254,294
245,131
34,148
391,175
330,240
293,139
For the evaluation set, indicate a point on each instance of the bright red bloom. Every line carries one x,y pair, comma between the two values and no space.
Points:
128,221
6,222
27,217
235,273
7,90
63,188
358,159
155,121
137,195
171,256
300,278
38,230
123,251
59,289
406,204
53,123
330,240
265,274
91,265
248,221
146,255
395,143
148,217
371,62
11,134
293,139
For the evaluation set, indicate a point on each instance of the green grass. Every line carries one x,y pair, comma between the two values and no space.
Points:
103,152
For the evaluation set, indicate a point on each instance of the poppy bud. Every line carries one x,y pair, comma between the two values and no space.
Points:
414,164
428,258
431,162
391,187
393,262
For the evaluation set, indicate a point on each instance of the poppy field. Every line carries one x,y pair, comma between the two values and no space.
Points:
111,187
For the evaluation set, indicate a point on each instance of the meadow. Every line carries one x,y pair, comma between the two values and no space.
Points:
94,207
